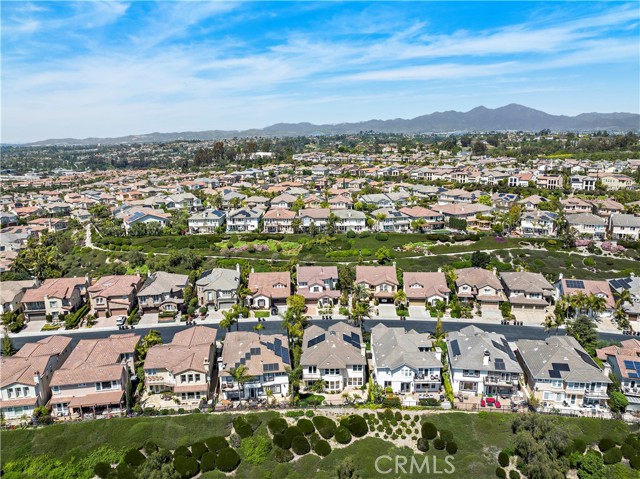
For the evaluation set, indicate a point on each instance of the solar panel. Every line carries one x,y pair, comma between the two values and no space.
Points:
255,351
500,366
285,355
553,373
575,284
633,375
270,346
636,365
560,367
316,340
455,348
629,365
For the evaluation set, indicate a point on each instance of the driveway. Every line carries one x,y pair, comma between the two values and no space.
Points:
418,312
491,314
386,310
529,317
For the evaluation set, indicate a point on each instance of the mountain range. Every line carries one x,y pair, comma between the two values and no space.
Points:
512,117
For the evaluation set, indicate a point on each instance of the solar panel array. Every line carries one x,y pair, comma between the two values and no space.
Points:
560,367
455,348
575,284
353,339
553,373
621,283
316,340
634,369
499,364
270,367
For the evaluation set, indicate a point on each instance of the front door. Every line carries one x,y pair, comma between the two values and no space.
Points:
405,387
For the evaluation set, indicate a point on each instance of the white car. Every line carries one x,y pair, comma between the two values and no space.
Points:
120,320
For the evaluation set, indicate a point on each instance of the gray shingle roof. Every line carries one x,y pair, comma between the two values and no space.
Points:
471,342
397,347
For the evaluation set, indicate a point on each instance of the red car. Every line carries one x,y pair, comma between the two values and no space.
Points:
483,403
498,405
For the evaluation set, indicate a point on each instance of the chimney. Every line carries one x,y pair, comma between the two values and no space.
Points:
560,276
495,270
440,270
486,358
252,270
36,377
238,267
438,351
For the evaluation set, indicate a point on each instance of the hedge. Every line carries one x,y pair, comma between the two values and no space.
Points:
300,445
357,425
503,459
429,430
134,458
325,426
634,462
253,420
606,443
628,451
423,444
102,470
277,425
242,427
306,426
215,443
513,474
282,455
150,447
612,456
579,445
198,449
501,473
447,436
228,459
208,461
451,447
282,441
182,451
322,448
439,444
186,466
343,436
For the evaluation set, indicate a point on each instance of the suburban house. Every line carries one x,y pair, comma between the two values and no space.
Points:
527,291
94,376
538,223
54,297
143,215
481,285
266,358
481,363
471,213
318,285
24,382
588,225
381,281
11,293
334,355
184,367
391,221
350,220
425,288
624,362
243,219
218,288
314,216
269,290
601,289
624,227
162,293
114,295
187,201
285,200
560,373
579,182
206,222
573,205
405,361
340,202
279,220
632,284
531,203
427,219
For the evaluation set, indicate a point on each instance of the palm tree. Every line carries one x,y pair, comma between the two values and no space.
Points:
294,375
400,298
621,318
241,376
623,297
596,305
418,224
360,292
228,319
258,328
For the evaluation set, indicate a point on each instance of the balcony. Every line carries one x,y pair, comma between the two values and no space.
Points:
500,381
160,380
426,377
596,394
631,391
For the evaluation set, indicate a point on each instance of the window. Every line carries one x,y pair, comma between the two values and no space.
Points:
10,393
312,369
356,367
82,385
197,378
556,383
331,371
104,385
55,389
268,377
53,304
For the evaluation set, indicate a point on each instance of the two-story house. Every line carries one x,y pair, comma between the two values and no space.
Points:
114,295
162,292
244,219
425,288
405,361
11,293
93,379
423,219
481,363
54,297
624,362
218,287
318,285
391,221
314,216
185,366
24,382
279,220
527,291
601,289
624,227
588,225
267,290
334,355
561,374
266,358
481,285
350,220
538,223
206,222
632,284
381,281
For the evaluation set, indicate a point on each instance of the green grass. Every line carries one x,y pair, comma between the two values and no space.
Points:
262,314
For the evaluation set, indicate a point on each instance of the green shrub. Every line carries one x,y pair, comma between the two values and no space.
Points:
447,436
186,466
150,447
256,449
242,427
429,430
322,448
282,441
300,445
357,425
351,234
451,447
612,456
208,461
182,451
423,444
309,413
228,459
102,470
513,474
501,473
628,451
134,458
198,449
282,455
215,443
306,426
579,445
503,459
294,414
343,436
325,426
277,425
123,471
439,444
381,237
253,420
606,443
634,462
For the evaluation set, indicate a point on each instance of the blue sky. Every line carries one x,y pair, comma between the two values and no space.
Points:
81,69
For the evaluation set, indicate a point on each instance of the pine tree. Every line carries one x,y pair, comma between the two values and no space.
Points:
7,346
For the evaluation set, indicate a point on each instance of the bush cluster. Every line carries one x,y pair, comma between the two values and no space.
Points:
300,445
186,466
325,426
215,443
277,425
227,460
322,448
242,427
208,461
429,430
343,436
306,426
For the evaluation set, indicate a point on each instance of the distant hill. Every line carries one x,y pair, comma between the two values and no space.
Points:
510,117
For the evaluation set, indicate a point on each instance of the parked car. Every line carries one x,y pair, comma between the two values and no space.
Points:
121,320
